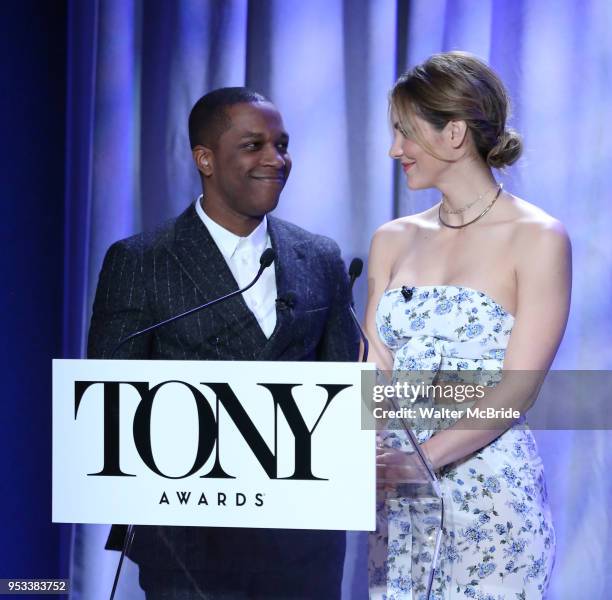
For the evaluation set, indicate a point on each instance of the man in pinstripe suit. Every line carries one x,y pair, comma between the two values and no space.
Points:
298,311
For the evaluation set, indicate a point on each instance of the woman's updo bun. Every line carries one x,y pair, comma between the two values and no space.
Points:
456,86
507,150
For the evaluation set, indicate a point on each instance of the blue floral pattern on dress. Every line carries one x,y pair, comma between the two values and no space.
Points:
498,541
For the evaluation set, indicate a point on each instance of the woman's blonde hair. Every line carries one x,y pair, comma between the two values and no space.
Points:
456,86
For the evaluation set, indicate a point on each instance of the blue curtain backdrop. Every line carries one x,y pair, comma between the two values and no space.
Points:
136,67
32,108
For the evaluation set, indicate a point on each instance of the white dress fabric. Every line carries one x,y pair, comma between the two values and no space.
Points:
498,540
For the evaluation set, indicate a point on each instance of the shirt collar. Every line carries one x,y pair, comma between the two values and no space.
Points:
228,242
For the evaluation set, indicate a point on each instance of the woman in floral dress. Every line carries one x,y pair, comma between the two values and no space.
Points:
479,281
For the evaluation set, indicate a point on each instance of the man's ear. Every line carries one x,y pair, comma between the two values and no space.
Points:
203,159
456,132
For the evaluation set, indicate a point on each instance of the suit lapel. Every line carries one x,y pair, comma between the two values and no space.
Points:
289,282
198,255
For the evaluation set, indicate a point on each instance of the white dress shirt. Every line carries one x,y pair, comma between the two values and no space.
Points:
242,257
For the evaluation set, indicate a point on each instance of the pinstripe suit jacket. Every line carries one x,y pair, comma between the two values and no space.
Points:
150,277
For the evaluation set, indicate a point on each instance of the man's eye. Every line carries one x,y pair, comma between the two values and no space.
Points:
283,146
252,146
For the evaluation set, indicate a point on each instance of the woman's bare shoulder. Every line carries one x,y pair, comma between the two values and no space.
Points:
534,227
405,226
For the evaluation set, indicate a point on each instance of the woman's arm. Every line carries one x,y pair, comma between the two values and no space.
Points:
380,261
543,298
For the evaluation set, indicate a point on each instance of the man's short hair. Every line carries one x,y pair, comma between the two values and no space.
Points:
209,119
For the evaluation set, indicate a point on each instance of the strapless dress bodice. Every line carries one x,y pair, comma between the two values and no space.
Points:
443,327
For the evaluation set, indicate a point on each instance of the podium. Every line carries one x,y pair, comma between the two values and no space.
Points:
142,442
266,447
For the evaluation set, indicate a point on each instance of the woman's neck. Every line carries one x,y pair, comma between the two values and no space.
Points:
466,192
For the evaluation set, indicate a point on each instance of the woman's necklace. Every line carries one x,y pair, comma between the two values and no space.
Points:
482,214
461,210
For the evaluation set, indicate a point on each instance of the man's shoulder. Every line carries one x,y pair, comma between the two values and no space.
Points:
298,235
160,235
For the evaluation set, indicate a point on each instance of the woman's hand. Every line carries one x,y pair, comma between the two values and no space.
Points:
395,467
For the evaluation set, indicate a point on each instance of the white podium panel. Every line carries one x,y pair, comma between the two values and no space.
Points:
229,444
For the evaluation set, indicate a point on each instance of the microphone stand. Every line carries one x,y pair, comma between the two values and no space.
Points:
265,261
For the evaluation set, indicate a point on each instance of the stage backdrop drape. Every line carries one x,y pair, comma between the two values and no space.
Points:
32,108
136,68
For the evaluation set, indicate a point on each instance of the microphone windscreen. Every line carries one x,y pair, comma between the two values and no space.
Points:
267,258
355,268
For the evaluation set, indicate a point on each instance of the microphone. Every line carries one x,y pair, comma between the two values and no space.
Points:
266,259
354,271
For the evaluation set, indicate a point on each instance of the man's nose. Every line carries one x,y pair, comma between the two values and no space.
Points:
274,157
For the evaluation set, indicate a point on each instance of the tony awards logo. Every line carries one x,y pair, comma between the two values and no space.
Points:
281,395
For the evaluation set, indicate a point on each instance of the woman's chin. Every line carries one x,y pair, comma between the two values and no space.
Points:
414,184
